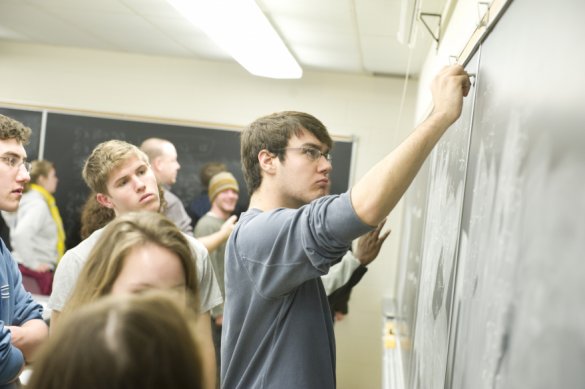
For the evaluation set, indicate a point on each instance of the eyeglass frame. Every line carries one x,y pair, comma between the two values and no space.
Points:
312,153
16,162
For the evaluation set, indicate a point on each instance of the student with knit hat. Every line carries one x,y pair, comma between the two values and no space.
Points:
200,204
223,194
221,182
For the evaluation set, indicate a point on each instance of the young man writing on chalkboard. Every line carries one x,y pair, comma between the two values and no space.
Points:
278,330
22,328
120,175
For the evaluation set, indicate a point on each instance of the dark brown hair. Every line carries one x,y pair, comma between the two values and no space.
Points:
272,133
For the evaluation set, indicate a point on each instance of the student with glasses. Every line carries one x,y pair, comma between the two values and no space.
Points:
22,328
277,325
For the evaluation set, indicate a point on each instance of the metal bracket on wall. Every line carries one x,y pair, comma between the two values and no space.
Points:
438,19
483,8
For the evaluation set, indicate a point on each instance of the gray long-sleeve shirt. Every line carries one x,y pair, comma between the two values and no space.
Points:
277,329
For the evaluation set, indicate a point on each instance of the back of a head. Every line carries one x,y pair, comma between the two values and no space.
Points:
122,342
272,132
40,168
153,147
94,216
105,158
12,129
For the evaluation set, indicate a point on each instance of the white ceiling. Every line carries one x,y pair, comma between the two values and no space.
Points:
355,36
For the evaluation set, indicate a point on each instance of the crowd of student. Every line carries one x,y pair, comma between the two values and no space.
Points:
145,301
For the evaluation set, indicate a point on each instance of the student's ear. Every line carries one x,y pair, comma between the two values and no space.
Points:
104,200
266,160
155,164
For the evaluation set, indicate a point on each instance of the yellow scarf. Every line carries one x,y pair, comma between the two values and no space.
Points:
56,217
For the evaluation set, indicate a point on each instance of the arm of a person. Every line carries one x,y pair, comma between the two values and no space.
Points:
367,250
29,336
283,248
28,330
340,273
380,189
207,350
209,292
63,283
11,358
213,240
29,218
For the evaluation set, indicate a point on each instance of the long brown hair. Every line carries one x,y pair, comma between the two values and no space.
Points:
106,259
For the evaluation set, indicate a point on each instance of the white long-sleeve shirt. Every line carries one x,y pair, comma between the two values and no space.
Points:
33,232
340,273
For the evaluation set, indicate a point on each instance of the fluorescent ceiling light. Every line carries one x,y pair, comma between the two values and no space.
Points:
240,28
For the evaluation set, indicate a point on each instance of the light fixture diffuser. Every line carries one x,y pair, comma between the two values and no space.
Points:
240,28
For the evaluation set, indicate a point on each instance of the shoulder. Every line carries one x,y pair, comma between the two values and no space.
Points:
82,250
170,197
30,199
197,246
209,220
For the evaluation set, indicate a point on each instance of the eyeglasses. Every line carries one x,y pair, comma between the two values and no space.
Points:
15,162
311,152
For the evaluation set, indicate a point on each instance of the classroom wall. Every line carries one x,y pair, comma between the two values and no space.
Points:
224,94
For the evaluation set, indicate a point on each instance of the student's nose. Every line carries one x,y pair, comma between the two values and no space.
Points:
325,165
22,175
139,184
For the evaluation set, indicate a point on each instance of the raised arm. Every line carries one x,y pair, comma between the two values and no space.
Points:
376,194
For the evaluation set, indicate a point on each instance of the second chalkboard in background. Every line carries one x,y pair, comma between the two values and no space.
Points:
70,139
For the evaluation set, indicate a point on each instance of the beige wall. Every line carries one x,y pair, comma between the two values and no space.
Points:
224,94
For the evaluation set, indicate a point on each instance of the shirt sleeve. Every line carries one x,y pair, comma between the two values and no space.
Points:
209,292
25,307
64,280
177,213
340,273
11,358
286,247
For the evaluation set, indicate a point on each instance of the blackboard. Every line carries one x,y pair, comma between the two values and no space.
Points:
447,175
500,286
71,138
521,316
